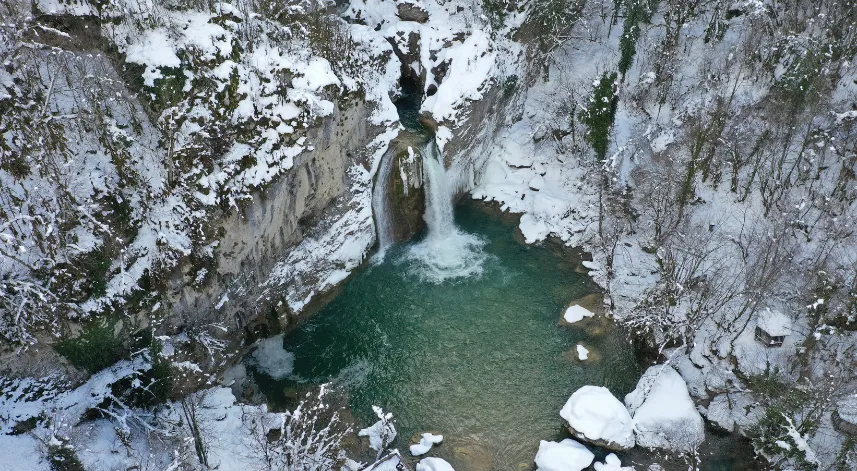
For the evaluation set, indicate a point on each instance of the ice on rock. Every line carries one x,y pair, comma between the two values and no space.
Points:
664,414
434,464
593,414
567,455
611,463
426,442
576,313
533,229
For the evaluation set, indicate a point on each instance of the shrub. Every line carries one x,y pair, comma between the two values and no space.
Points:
599,115
95,348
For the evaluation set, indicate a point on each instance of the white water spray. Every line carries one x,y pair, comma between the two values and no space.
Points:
446,252
381,205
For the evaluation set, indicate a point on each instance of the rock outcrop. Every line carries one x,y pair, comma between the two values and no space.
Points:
409,10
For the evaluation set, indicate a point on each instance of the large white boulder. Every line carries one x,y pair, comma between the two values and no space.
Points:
593,414
567,455
664,414
434,464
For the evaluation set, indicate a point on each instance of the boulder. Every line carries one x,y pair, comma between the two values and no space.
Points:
611,463
576,313
427,440
434,464
567,455
593,414
537,183
408,10
664,414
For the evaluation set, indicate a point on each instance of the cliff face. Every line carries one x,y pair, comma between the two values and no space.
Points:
226,175
264,229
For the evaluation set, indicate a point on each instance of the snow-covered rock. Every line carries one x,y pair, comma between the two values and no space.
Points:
664,414
576,313
611,463
410,10
426,442
593,414
734,411
434,464
582,353
380,433
537,183
533,229
567,455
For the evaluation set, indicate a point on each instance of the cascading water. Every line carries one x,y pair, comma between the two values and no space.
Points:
446,252
381,205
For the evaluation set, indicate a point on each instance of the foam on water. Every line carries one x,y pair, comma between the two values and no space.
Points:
447,252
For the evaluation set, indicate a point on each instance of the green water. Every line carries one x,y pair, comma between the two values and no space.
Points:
482,360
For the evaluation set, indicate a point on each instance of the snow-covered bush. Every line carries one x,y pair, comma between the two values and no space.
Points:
305,439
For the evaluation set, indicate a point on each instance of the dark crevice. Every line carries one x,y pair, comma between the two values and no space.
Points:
408,103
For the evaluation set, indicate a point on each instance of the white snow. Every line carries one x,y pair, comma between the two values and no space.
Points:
472,63
567,455
847,408
533,229
434,464
537,183
774,323
664,414
426,442
611,463
597,415
21,453
272,359
576,313
582,353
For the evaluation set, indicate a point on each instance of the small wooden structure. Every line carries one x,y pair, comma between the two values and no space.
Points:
772,327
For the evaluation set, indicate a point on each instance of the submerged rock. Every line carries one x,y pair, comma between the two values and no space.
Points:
593,356
576,313
567,455
472,457
664,414
593,414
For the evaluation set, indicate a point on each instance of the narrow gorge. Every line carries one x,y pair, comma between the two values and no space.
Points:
377,235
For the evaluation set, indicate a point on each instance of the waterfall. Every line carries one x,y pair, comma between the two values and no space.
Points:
439,218
381,204
446,252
